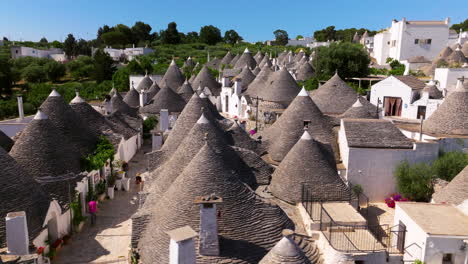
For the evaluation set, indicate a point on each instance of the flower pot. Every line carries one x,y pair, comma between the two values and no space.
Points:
79,227
110,192
126,184
118,184
101,197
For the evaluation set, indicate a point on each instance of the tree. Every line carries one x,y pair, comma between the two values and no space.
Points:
114,38
134,67
350,60
127,33
281,37
57,44
462,25
80,68
69,46
210,35
5,39
449,164
141,32
43,41
83,48
54,70
103,66
120,78
192,37
325,34
232,37
170,35
298,37
6,76
33,73
415,181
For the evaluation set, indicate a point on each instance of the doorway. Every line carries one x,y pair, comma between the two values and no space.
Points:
392,106
421,112
227,103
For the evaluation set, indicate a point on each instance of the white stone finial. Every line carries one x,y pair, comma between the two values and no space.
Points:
172,63
357,103
246,50
54,93
203,120
77,99
303,92
40,115
202,94
306,136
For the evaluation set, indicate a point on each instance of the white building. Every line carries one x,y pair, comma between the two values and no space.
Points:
406,39
405,96
370,151
54,53
128,53
435,233
233,103
447,77
300,42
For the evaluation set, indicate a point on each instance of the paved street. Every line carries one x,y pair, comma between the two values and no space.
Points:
109,240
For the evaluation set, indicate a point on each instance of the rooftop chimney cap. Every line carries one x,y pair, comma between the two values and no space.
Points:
40,115
357,103
54,93
303,92
203,120
209,199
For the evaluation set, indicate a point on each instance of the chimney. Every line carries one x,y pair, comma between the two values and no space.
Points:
20,107
182,246
238,86
156,140
17,236
142,98
225,81
164,120
209,241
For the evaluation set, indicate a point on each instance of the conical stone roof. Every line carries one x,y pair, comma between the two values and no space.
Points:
315,170
286,251
214,63
19,192
358,110
227,59
260,81
335,96
305,72
243,237
457,56
256,71
465,49
432,90
152,91
43,150
234,60
69,123
456,192
246,59
444,53
186,91
246,77
240,138
173,78
258,57
289,127
144,84
266,60
5,141
97,122
164,99
118,105
113,92
189,63
451,118
281,88
205,79
132,98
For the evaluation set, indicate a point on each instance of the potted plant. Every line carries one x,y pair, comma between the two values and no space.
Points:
110,186
101,190
118,181
77,218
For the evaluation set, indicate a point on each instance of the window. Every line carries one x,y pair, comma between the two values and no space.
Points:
428,41
416,41
447,259
393,43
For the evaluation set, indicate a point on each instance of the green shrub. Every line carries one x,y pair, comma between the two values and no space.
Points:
449,164
149,125
415,181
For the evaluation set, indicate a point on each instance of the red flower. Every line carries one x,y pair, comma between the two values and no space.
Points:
40,250
57,243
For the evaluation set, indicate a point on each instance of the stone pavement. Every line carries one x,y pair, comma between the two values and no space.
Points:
109,240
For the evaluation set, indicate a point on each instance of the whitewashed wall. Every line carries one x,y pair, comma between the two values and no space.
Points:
381,47
392,87
447,77
128,148
415,238
437,246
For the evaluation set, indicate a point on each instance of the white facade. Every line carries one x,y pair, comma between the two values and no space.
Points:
447,77
406,39
420,245
412,101
55,54
233,103
373,168
128,53
300,42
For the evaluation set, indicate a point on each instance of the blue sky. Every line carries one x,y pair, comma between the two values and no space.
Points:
254,19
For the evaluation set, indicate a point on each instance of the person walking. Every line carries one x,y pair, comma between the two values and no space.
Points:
92,208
